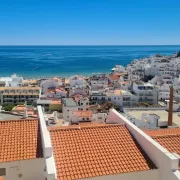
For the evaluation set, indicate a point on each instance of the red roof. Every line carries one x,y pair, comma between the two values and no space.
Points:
82,113
168,138
20,140
90,151
163,132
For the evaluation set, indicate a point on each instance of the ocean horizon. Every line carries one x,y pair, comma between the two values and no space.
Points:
57,60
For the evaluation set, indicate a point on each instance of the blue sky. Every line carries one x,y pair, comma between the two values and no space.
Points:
89,22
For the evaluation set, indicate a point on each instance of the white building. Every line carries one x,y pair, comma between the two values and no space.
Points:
51,84
119,97
69,105
79,90
99,117
13,81
176,83
118,69
56,93
83,102
99,81
146,92
176,105
77,103
77,81
151,120
163,92
16,95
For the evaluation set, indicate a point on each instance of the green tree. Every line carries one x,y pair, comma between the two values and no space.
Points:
8,107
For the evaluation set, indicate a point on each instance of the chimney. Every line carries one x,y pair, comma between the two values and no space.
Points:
25,113
170,114
55,117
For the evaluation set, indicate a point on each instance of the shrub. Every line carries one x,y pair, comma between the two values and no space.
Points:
8,107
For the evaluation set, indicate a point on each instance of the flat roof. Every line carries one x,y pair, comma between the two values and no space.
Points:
163,114
10,117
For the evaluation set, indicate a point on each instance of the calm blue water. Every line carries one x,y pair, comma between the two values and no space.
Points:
46,61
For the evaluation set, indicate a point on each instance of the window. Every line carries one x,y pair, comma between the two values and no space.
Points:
99,117
83,118
67,110
86,109
81,104
67,116
2,171
87,103
87,118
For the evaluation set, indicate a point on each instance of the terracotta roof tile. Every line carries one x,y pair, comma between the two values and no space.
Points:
89,151
20,140
168,138
82,113
163,132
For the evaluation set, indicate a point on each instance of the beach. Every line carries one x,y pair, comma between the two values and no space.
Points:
64,61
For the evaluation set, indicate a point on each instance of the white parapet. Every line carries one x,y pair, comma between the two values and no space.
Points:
46,141
47,147
51,168
165,161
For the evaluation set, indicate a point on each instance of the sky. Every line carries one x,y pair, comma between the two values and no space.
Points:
89,22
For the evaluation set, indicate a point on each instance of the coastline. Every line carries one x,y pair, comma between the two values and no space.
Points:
65,61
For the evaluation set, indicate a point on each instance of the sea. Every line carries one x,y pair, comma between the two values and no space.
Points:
65,61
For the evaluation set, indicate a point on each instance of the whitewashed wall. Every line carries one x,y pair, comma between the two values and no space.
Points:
28,169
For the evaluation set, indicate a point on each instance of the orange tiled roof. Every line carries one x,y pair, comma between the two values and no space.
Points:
20,140
90,151
82,113
168,138
163,132
54,101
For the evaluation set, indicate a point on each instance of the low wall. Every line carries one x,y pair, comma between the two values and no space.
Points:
47,147
141,175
